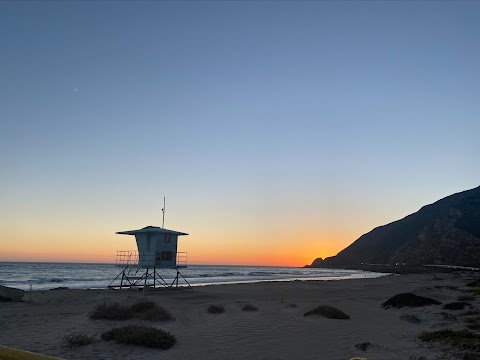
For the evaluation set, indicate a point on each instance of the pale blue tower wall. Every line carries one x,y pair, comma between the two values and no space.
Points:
157,250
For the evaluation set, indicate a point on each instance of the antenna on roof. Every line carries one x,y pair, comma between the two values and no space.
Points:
163,211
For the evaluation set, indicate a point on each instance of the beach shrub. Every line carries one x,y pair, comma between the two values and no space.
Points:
149,310
141,335
463,339
409,299
417,357
78,339
292,306
249,307
111,311
216,309
412,318
145,310
457,305
363,345
328,312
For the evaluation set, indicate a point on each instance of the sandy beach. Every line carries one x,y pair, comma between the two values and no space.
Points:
278,330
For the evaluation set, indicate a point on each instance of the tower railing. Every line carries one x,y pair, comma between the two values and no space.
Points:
127,258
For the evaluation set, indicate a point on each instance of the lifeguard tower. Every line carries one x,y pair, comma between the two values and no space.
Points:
157,249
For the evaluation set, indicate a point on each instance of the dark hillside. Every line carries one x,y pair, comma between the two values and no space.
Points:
445,232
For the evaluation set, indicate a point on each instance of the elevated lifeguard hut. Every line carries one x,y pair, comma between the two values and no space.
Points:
157,249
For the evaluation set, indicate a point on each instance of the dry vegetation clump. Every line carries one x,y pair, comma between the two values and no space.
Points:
78,339
149,310
291,306
249,307
328,312
145,310
408,299
457,305
141,335
462,340
411,318
216,309
363,345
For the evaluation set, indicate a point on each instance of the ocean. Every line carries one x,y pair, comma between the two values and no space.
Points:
44,276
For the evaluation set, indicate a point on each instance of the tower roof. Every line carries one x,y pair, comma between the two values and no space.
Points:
151,230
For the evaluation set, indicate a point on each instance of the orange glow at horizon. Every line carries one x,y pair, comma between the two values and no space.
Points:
290,248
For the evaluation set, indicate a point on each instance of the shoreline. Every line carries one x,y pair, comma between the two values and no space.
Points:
278,330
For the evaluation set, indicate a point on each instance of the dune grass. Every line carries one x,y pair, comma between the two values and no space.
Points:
408,299
142,335
78,339
457,305
216,309
145,310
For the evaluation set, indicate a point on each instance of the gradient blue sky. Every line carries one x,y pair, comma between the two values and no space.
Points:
278,131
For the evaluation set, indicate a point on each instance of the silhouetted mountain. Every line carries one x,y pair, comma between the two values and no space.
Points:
446,232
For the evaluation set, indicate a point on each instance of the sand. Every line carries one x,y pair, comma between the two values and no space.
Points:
275,331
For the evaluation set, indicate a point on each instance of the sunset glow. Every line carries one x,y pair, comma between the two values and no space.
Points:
279,132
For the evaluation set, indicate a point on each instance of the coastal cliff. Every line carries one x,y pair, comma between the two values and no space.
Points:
446,232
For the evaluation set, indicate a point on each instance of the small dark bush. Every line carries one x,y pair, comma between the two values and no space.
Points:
149,310
466,298
78,339
363,346
328,312
249,307
292,306
216,309
141,335
458,305
112,311
145,310
412,318
143,306
409,299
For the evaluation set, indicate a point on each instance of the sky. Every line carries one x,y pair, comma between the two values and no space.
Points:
278,131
